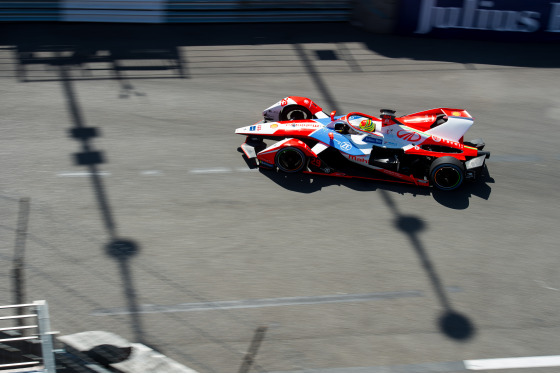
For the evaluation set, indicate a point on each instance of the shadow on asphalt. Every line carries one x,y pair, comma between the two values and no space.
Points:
452,323
122,250
66,46
308,183
140,39
459,199
121,58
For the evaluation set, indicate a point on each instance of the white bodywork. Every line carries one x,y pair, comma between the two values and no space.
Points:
454,129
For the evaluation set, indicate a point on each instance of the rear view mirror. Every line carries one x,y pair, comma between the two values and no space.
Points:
332,115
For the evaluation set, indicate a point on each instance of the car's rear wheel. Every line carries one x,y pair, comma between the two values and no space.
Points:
290,160
447,173
294,113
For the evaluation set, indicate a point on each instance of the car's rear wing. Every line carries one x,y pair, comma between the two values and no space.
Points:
456,113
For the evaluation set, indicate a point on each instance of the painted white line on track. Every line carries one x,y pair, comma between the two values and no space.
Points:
449,367
151,172
513,363
258,303
264,303
245,170
544,285
217,170
221,170
211,171
83,174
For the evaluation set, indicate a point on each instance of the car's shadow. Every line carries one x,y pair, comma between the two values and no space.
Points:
460,198
309,183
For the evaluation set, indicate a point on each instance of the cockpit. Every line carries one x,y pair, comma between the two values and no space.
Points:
355,124
342,127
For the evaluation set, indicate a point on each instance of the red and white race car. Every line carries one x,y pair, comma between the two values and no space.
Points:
423,149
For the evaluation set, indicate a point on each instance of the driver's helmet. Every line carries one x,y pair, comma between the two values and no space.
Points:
367,125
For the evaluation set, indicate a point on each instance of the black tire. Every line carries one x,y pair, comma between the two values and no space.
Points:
447,173
290,160
295,113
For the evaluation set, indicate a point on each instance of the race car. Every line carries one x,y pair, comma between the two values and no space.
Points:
423,149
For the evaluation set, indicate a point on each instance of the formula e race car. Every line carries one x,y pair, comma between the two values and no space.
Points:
423,149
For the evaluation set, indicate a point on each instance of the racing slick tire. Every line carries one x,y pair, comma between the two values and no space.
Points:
290,160
295,112
447,173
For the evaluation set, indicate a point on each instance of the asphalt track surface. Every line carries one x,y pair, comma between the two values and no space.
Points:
174,242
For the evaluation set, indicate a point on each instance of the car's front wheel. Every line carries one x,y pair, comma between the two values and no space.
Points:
290,160
294,113
447,173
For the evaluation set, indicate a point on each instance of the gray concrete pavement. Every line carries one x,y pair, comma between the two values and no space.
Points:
473,274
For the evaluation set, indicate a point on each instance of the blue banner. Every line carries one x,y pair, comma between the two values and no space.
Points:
519,20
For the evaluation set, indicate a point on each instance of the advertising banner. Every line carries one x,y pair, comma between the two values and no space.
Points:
515,20
136,11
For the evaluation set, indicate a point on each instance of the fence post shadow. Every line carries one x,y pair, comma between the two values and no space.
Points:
453,324
122,250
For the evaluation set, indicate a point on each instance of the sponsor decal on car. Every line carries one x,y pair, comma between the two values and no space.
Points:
408,136
362,159
345,146
273,126
455,144
306,125
450,142
416,119
372,139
